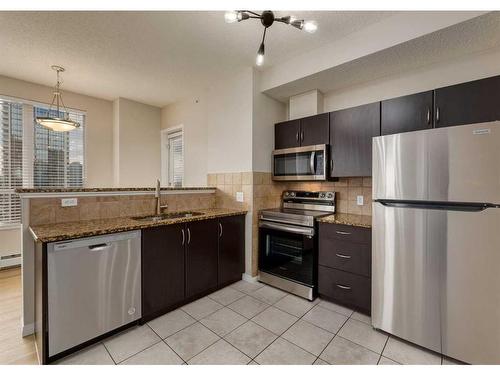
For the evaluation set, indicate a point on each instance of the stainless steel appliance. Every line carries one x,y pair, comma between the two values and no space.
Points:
436,239
300,163
288,241
94,286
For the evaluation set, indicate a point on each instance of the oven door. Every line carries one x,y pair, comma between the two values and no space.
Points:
287,251
300,163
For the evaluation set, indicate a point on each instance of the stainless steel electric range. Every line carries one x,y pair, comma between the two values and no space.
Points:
288,244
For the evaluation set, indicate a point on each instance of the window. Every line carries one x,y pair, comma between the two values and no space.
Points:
32,156
173,157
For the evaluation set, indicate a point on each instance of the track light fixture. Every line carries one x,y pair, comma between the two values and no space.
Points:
267,18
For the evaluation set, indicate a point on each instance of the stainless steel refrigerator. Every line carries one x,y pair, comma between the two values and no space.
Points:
436,239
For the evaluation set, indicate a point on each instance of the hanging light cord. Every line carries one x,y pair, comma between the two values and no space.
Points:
58,98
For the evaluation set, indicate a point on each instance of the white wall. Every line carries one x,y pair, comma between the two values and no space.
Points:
445,73
136,153
306,104
10,241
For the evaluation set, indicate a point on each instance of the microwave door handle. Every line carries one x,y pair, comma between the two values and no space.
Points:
311,163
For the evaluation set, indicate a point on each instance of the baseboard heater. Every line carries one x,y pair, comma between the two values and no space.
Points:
10,260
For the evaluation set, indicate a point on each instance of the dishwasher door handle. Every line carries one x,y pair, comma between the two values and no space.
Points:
101,247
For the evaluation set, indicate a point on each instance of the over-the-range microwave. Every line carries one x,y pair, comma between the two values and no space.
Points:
306,163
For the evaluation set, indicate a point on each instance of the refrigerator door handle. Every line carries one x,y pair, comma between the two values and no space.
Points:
433,205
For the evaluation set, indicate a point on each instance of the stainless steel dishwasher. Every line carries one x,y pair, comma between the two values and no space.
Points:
94,286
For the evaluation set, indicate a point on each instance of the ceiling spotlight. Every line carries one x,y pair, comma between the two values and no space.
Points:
267,18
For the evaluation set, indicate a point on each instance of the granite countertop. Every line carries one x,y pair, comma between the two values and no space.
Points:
78,229
364,221
97,190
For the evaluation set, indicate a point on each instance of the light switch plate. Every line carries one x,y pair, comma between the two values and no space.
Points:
69,202
239,196
359,200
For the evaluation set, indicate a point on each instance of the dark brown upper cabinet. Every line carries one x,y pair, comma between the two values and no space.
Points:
351,133
231,249
467,103
162,269
201,257
407,113
308,131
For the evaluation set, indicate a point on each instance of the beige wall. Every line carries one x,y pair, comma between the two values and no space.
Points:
136,153
98,132
10,241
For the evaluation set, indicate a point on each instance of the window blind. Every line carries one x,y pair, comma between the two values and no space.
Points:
175,158
34,156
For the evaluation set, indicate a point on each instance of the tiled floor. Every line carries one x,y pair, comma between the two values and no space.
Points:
248,323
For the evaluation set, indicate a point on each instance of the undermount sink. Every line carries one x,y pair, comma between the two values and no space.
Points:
172,215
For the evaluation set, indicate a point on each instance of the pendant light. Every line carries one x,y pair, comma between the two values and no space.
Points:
61,121
267,18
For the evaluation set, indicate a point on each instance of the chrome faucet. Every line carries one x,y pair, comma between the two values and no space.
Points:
159,207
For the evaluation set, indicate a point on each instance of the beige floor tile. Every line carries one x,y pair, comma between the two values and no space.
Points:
202,308
226,296
361,317
282,352
386,361
319,361
220,353
130,342
223,321
171,323
253,363
191,341
409,354
326,319
268,294
344,352
250,338
248,306
335,307
94,355
158,354
308,337
451,361
246,287
294,305
275,320
364,335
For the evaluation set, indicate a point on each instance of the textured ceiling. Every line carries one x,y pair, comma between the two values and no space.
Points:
152,57
473,36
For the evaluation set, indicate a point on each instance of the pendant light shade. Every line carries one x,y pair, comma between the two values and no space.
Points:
61,121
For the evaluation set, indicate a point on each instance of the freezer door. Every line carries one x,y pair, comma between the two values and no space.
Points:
400,166
464,163
405,275
94,286
470,287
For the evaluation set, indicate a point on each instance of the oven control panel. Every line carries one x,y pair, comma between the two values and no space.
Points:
318,200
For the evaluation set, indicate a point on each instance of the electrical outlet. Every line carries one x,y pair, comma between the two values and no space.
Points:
239,196
359,200
69,202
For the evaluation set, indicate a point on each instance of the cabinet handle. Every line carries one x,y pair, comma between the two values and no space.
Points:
343,287
220,227
428,115
297,137
331,166
343,256
302,136
437,114
189,236
342,233
183,237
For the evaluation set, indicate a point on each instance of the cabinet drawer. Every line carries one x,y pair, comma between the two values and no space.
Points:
345,287
344,255
342,232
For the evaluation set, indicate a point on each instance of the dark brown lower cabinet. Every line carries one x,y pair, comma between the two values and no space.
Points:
162,269
201,256
231,249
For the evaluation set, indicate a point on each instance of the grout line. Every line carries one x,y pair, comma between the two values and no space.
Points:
105,348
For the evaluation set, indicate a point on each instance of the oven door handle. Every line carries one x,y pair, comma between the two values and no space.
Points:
288,228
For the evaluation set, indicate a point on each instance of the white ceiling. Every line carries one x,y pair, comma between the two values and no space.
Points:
153,57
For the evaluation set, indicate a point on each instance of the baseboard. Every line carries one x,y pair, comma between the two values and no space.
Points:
28,329
250,279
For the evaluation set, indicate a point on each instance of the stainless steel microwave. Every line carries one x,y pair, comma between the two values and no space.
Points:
306,163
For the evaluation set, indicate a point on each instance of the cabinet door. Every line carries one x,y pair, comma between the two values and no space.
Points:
162,268
201,256
351,132
468,103
407,113
231,249
314,130
287,134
